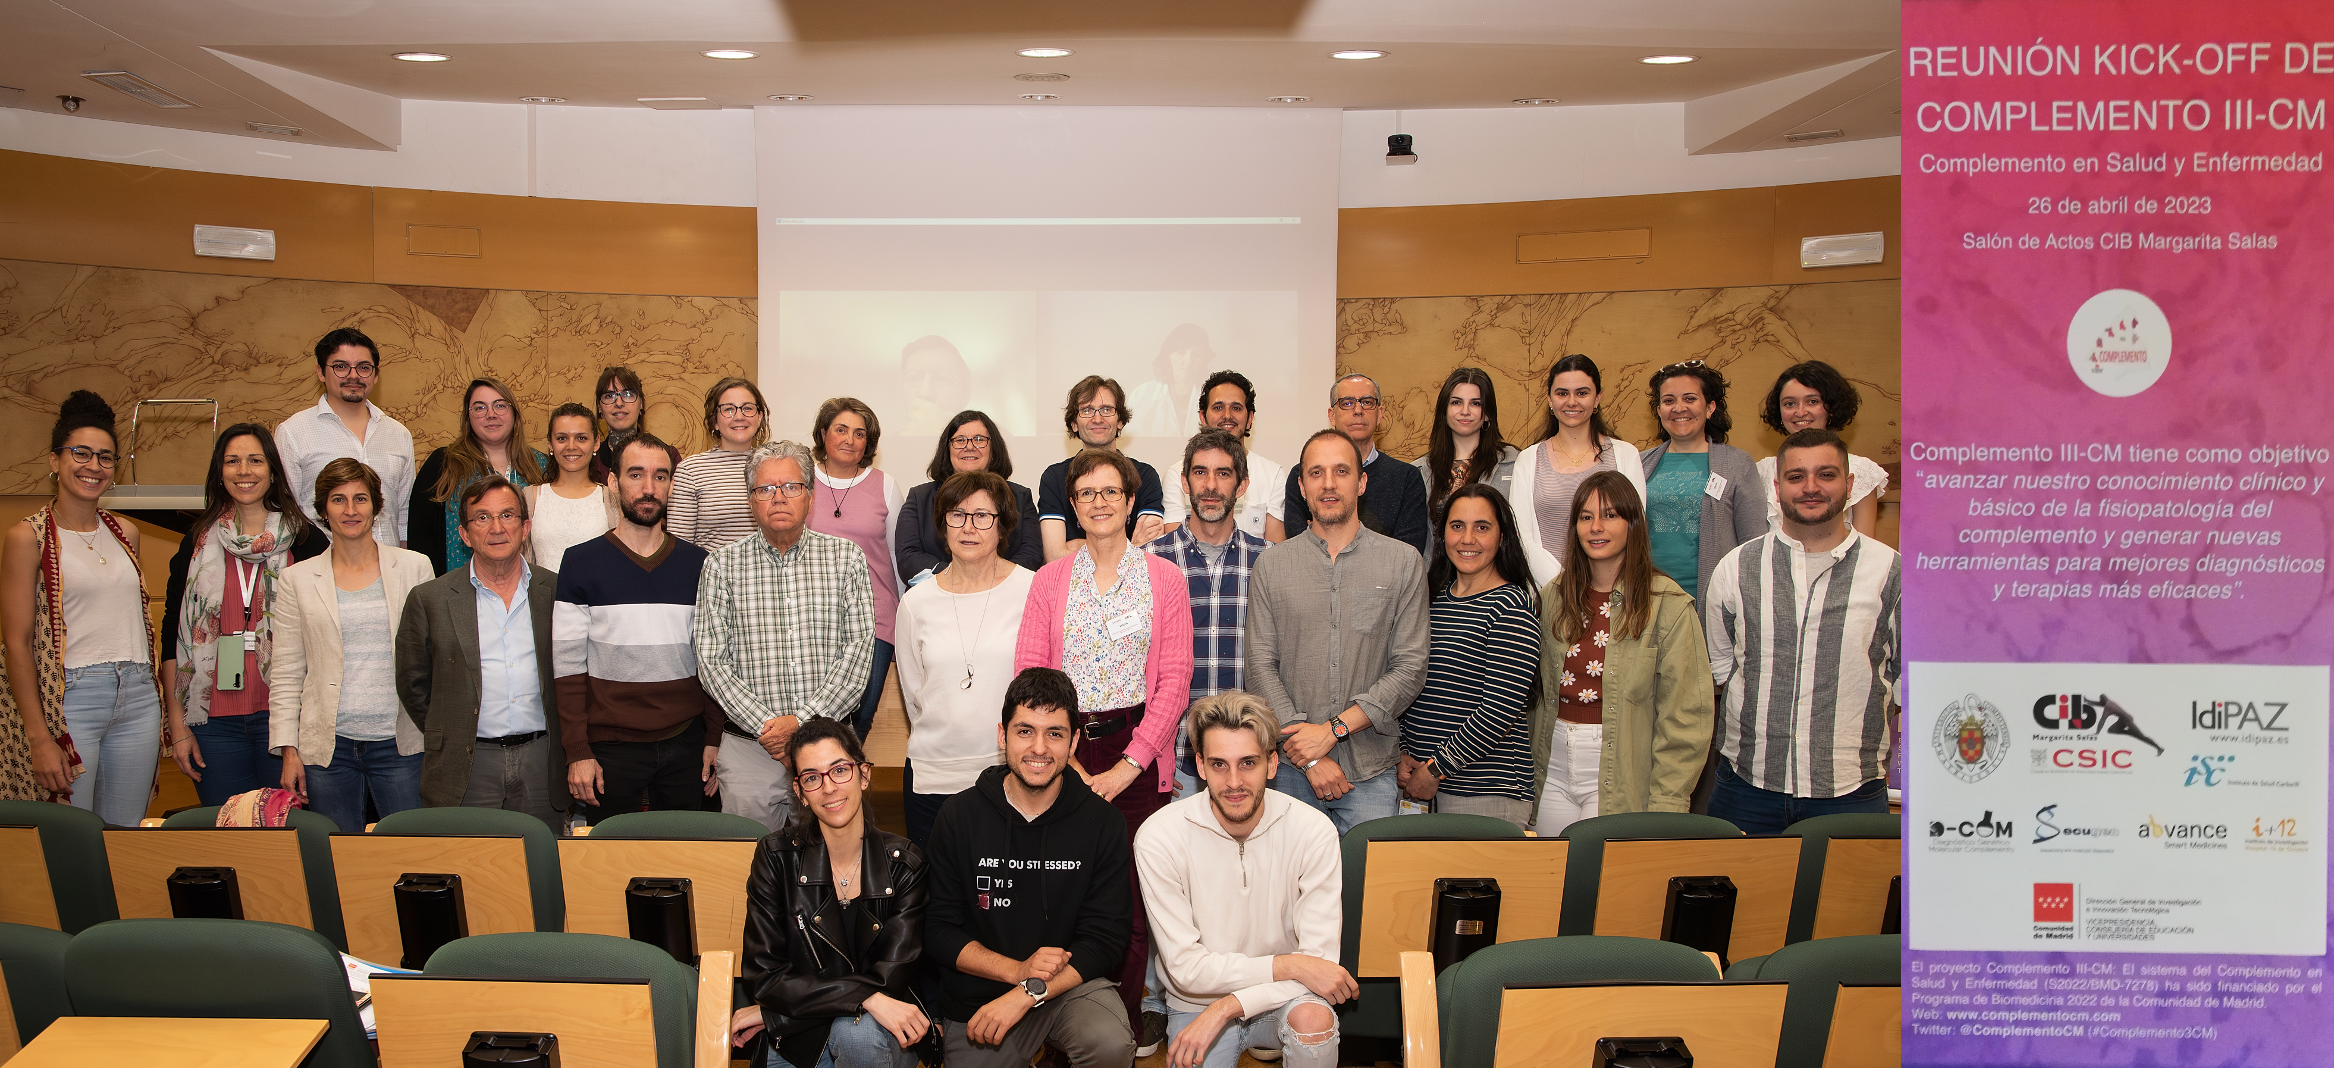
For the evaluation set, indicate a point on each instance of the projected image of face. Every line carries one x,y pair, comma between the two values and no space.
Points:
1164,405
935,382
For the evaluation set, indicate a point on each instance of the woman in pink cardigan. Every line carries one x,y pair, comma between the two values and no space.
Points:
1117,620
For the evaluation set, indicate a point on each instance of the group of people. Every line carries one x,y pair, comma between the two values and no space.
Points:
1268,659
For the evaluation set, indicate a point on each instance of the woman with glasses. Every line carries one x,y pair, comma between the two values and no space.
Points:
1117,620
1815,394
1702,497
970,442
344,740
1465,446
854,500
572,507
709,508
1574,444
219,612
492,442
623,410
956,636
834,920
84,719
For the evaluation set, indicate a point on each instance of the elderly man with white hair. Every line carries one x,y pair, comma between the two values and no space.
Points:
785,631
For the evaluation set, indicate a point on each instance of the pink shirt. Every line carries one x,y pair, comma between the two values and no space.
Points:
866,522
253,696
1166,667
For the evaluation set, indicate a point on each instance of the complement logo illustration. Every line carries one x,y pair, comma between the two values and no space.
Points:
1972,738
2119,342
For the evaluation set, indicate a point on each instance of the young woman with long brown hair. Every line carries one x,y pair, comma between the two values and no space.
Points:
1465,446
1574,444
492,442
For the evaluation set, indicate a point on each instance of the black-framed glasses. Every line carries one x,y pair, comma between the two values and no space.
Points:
969,441
979,520
839,774
619,396
1107,495
83,454
772,491
1367,404
1092,410
343,369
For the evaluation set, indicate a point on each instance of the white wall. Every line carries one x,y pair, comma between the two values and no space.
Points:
623,154
1509,154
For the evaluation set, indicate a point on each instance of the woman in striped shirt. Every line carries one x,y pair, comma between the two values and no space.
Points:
1465,745
709,507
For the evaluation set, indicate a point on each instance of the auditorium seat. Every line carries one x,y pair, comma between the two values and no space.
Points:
542,848
32,972
72,842
1585,865
1468,996
1815,969
1377,1013
315,830
218,969
678,823
673,986
1857,892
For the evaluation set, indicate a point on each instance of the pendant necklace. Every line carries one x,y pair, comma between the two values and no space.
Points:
844,496
954,607
89,541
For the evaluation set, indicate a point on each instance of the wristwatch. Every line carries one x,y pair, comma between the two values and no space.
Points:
1337,727
1035,988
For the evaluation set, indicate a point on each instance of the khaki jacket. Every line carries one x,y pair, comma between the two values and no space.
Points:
1658,707
303,682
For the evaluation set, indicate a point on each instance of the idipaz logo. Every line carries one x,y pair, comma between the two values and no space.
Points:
1971,738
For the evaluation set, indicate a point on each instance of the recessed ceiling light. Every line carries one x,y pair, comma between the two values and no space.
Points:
422,57
1663,61
1045,53
727,53
1537,100
1040,96
791,97
544,99
1041,77
1358,53
1286,99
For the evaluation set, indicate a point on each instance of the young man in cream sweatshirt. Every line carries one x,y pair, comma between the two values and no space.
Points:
1243,885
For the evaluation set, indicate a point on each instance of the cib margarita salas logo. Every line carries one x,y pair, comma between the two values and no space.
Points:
2079,734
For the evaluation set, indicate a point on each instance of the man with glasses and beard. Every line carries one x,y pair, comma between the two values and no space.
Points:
345,422
632,717
1227,402
1029,912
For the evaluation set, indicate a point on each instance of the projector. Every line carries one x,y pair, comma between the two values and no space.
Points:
1398,151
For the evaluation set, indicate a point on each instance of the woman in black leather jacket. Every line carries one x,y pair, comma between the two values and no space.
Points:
831,943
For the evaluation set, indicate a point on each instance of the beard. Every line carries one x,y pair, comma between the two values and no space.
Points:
654,509
1832,510
1038,786
1209,511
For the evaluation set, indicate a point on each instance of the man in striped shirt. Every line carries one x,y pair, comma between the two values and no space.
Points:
785,631
1803,630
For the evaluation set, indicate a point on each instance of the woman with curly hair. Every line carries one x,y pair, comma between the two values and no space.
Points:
1815,394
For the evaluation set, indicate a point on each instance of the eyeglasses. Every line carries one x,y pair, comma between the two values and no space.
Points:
1092,410
840,775
974,441
500,407
788,490
83,454
351,370
619,396
979,520
1107,495
728,410
495,519
1367,404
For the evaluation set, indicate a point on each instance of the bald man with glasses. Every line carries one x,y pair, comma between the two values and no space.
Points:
1395,503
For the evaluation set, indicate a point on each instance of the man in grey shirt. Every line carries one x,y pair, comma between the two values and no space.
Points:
1337,641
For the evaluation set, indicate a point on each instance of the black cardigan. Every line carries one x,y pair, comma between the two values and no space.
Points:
920,547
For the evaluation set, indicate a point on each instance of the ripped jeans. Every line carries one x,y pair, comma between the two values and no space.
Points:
1265,1031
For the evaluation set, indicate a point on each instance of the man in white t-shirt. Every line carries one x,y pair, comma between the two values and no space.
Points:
1228,402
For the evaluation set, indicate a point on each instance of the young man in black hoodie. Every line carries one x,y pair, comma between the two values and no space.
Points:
1029,910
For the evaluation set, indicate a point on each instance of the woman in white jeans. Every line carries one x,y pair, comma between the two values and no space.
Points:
1625,709
85,722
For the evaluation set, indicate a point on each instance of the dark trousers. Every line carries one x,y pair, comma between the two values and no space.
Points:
236,758
1141,798
663,774
923,809
1758,811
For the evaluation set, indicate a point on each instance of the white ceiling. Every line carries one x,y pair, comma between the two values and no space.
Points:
1769,67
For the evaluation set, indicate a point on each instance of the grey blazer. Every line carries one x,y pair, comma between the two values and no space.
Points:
1735,516
437,679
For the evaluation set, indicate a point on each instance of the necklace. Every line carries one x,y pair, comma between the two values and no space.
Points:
845,495
89,541
955,609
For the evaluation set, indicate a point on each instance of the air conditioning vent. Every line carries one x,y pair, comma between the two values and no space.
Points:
124,82
272,128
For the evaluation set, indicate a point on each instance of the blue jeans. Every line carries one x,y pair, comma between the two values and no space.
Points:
359,770
236,758
1369,799
873,695
858,1042
1266,1030
114,713
1758,811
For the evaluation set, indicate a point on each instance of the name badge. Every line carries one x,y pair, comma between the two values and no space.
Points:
1123,624
1716,487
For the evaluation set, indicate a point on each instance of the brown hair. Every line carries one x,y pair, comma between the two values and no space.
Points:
1083,394
623,376
1636,585
341,472
1442,453
572,410
1090,460
477,491
964,484
1000,459
833,408
713,412
466,456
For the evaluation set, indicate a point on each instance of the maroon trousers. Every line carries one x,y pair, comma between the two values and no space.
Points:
1141,798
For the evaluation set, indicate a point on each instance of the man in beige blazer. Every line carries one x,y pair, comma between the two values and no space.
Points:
474,669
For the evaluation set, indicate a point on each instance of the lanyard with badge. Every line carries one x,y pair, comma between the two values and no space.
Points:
231,646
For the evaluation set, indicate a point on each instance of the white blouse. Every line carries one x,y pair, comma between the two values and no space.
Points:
939,637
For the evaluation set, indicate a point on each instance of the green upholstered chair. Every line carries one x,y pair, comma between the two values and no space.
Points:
1584,861
1467,994
32,959
678,823
315,830
1377,1013
73,841
672,986
1815,834
542,847
1815,969
225,969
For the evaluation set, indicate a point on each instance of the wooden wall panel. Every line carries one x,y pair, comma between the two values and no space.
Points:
576,246
62,210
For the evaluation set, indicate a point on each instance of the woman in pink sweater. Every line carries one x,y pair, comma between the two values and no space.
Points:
1117,620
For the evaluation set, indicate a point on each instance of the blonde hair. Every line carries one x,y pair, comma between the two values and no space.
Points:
1233,710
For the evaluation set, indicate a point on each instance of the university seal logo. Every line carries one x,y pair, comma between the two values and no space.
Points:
1971,738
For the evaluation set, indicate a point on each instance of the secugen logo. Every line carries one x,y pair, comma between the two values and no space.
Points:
2049,827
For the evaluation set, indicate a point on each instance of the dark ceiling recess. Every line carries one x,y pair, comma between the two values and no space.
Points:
860,20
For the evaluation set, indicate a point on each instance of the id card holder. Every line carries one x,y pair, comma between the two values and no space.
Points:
231,661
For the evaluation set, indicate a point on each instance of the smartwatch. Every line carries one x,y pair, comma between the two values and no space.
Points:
1035,988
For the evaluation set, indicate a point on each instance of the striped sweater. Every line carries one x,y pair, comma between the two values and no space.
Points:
623,661
1471,717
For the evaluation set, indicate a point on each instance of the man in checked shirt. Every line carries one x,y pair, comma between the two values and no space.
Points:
785,631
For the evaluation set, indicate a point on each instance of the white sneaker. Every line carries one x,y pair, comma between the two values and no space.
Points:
1263,1054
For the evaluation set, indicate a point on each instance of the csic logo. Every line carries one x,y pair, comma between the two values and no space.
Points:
2207,770
2119,342
2100,722
1982,827
1971,738
2047,828
2054,902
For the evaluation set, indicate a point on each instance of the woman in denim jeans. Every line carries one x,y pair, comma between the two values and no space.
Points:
84,720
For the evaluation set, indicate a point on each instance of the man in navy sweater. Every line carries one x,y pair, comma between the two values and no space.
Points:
1029,912
635,722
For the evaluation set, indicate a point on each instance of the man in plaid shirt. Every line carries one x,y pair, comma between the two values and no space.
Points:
785,630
